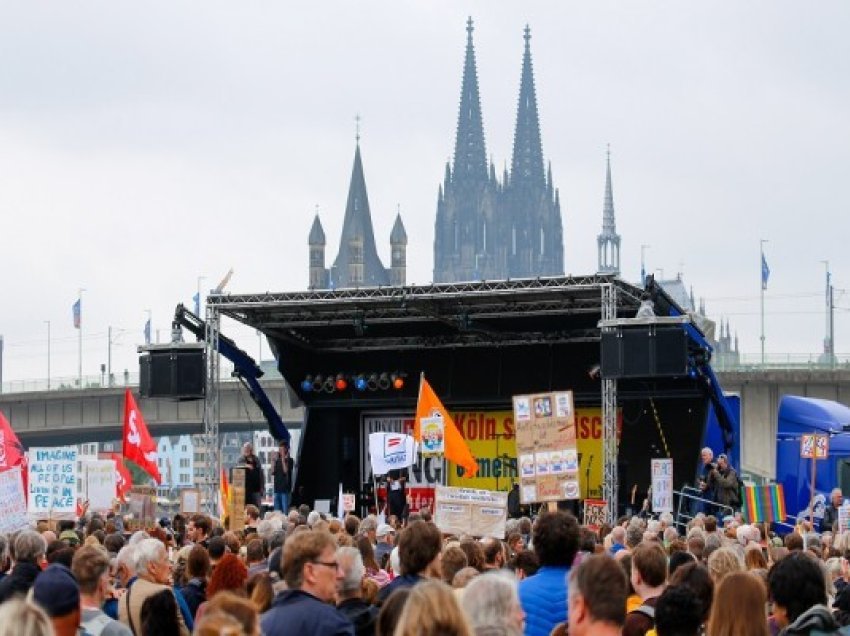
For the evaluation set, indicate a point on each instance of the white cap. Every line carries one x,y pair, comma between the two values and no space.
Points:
384,529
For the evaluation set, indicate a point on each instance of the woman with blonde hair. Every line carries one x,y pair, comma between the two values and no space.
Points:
22,618
432,609
739,606
723,562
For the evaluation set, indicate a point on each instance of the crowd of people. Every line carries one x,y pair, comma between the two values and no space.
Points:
302,573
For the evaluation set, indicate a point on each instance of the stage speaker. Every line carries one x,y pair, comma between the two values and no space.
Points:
173,371
644,352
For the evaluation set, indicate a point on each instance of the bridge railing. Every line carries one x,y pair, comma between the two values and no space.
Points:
780,361
101,381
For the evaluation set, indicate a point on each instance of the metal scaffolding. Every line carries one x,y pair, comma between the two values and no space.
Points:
609,415
211,410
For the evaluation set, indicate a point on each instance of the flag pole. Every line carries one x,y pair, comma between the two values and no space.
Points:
80,341
763,285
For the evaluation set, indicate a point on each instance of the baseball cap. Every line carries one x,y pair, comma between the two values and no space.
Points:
56,591
70,536
384,529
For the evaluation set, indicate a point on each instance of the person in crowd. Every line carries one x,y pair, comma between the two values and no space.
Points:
160,615
254,479
706,480
678,612
219,624
311,572
19,617
153,569
474,553
491,603
722,562
649,575
230,574
419,547
597,593
737,600
30,549
197,571
432,609
524,564
390,612
239,608
830,514
255,557
260,591
217,548
452,562
282,469
90,568
198,530
397,493
544,595
727,488
385,536
373,570
798,590
697,579
56,591
494,553
369,528
349,591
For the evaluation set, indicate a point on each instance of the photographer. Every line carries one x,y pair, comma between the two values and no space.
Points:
727,486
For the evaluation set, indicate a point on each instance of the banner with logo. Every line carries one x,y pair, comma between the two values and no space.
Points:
389,451
52,482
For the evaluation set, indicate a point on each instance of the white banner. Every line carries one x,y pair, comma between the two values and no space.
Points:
662,485
481,513
13,503
389,451
99,484
52,481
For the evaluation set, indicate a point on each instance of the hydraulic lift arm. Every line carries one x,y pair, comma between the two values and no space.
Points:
245,368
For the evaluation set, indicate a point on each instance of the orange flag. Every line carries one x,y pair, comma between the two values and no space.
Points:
456,448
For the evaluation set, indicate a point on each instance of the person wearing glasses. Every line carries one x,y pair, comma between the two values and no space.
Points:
312,572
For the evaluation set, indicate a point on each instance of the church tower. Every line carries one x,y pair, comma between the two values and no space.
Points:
398,253
466,244
608,242
532,206
316,241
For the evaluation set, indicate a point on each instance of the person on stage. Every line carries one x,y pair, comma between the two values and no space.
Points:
397,493
282,467
706,483
254,480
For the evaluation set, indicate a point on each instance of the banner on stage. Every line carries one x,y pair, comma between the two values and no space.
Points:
662,485
52,482
481,513
99,484
595,513
546,447
389,451
13,502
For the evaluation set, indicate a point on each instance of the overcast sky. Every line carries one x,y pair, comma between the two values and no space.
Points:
143,145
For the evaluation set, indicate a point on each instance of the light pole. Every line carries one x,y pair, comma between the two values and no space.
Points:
80,341
643,249
48,354
765,273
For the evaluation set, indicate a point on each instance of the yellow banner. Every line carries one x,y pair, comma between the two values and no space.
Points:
491,438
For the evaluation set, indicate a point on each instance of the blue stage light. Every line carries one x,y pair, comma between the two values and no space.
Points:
360,383
307,384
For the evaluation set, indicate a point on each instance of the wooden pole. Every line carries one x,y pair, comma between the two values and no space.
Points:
812,500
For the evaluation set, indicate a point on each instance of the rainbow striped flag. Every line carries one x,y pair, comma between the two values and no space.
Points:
763,503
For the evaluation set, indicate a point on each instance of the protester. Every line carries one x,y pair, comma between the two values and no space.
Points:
830,513
55,591
544,595
30,550
432,609
254,478
255,557
198,529
239,608
230,574
386,539
391,611
160,615
678,612
419,549
798,591
597,597
649,575
735,599
260,591
23,618
373,570
197,571
311,571
90,568
492,605
282,469
349,591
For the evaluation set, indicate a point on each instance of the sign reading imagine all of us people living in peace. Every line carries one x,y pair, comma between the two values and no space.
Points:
546,447
52,474
481,513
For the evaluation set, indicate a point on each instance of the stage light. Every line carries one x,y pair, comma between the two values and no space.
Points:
372,382
397,381
329,385
318,382
307,384
341,383
360,383
384,381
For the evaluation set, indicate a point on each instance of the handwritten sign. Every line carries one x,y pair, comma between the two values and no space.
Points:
348,502
52,481
595,513
662,485
481,513
13,503
814,446
237,499
190,501
99,484
142,506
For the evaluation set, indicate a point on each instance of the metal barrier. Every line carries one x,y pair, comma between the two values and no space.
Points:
690,495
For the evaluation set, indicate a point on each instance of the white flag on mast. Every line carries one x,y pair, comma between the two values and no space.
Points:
389,451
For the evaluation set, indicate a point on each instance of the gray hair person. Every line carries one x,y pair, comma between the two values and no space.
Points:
350,594
30,548
491,603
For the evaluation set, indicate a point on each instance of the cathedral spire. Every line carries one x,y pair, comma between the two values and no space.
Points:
609,225
527,162
470,159
608,241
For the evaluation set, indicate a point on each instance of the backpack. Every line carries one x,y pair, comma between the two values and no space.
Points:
96,625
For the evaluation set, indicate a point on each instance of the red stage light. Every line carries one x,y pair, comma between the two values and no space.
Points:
398,383
341,383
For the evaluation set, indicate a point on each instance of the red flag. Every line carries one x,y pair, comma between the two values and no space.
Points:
11,452
123,478
139,446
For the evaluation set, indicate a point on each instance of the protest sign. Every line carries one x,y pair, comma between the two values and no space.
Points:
348,502
237,499
662,485
13,503
52,482
595,513
481,513
546,447
190,501
142,507
99,484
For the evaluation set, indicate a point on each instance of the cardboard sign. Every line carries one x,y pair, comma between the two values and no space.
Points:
190,501
546,447
142,508
433,435
481,513
237,499
348,502
662,485
814,446
99,484
13,502
844,517
595,513
52,482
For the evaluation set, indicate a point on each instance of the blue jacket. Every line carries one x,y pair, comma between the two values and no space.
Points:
297,612
405,580
544,599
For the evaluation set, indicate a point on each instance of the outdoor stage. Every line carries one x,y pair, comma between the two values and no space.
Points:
478,344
